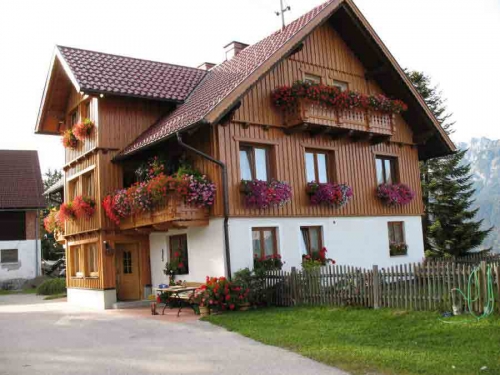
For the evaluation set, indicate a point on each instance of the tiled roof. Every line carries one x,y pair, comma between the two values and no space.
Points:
119,75
20,180
220,82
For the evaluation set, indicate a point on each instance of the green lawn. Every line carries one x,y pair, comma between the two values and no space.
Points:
24,291
385,341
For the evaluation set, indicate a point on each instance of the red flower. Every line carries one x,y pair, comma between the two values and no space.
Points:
231,306
228,297
176,254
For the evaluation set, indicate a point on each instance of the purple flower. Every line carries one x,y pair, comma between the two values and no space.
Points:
262,194
334,195
395,194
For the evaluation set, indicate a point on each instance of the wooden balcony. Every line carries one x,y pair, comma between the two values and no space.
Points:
83,224
318,118
173,214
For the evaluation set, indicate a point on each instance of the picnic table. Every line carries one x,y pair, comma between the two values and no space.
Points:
177,293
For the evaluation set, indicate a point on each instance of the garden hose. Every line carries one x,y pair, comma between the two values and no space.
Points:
474,293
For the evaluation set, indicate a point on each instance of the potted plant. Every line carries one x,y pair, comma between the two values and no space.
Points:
84,206
394,195
201,299
83,129
263,194
333,195
69,140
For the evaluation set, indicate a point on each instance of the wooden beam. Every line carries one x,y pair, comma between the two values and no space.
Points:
377,139
164,227
361,136
371,74
190,223
296,129
341,133
295,50
319,131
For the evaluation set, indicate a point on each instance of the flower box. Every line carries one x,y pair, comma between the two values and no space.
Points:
333,195
394,195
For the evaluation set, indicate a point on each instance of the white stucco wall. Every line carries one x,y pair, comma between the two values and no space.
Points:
93,299
205,252
26,268
356,241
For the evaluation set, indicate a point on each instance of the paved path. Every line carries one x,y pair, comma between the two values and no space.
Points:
49,337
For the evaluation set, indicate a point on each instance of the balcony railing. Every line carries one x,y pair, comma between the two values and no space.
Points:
310,113
174,213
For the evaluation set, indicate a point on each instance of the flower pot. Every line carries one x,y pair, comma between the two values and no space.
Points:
245,306
204,311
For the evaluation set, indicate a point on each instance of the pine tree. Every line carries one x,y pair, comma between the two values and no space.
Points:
450,225
51,250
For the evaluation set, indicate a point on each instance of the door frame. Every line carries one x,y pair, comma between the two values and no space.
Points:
139,264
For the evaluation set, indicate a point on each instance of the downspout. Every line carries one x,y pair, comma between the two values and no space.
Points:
37,229
225,197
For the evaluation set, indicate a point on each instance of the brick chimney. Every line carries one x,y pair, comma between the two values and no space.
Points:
233,48
206,66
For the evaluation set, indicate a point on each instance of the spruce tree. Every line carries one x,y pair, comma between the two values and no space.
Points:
450,226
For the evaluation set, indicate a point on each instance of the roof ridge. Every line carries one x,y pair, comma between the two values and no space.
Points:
130,57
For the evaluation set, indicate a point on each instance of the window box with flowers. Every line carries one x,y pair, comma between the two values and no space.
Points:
316,260
83,129
398,249
395,195
263,194
328,194
267,263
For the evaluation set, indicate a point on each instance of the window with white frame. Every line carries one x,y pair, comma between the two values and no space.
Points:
341,85
312,78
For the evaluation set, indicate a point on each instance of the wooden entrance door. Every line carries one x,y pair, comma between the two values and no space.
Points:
128,286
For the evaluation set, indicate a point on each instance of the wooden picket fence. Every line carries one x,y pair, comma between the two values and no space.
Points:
411,286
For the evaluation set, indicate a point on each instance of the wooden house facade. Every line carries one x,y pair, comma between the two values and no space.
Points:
223,119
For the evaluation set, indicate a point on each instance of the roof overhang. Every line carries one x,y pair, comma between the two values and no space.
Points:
58,85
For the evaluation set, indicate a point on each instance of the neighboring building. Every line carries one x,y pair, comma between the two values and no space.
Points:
21,199
142,108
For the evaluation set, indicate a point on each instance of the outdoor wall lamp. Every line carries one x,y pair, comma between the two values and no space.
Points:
107,248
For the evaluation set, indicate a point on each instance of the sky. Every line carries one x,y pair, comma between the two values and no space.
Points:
455,42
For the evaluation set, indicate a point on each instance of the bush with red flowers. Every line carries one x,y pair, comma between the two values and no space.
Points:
52,222
267,263
333,195
394,195
224,294
316,259
83,129
67,212
263,194
84,206
286,98
69,140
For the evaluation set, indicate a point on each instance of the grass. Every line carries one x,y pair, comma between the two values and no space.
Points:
52,287
386,341
55,296
24,291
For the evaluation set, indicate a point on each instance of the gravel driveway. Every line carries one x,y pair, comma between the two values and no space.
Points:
50,337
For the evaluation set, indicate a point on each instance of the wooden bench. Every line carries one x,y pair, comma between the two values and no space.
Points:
177,294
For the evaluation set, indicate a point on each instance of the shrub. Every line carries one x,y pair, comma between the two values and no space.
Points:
51,287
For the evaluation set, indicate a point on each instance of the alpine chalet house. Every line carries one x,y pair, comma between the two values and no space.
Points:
310,138
21,199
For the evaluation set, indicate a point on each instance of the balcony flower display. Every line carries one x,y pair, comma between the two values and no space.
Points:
84,206
83,129
333,195
155,187
396,248
67,212
395,194
263,194
52,222
267,263
69,140
286,98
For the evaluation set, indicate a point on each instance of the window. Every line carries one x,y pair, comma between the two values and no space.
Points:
312,78
317,166
264,242
9,256
76,265
178,244
92,260
397,242
73,190
127,262
386,170
73,118
86,110
311,240
343,86
88,184
12,225
254,163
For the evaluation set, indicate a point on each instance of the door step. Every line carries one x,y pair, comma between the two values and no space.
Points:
131,304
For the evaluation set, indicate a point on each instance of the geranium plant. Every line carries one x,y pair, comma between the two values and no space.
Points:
201,192
398,248
395,194
267,263
83,129
52,222
316,259
69,140
117,206
67,212
287,97
84,206
139,197
263,194
333,195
